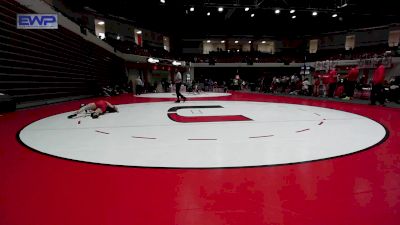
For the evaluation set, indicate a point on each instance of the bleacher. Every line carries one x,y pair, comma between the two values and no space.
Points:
129,46
288,56
38,65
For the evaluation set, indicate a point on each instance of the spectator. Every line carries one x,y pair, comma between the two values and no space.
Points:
305,89
139,85
350,83
332,79
377,92
317,83
394,89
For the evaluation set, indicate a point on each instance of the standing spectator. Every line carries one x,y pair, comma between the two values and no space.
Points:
274,84
195,87
211,85
165,84
377,85
285,84
243,85
224,84
293,81
317,83
332,82
139,85
261,84
236,85
350,83
206,85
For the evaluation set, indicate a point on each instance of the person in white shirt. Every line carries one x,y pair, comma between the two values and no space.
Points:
178,84
139,85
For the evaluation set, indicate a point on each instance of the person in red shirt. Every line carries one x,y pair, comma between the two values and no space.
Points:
96,109
351,80
332,79
377,92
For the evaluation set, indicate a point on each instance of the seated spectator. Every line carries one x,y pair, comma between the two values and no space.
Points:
394,89
305,89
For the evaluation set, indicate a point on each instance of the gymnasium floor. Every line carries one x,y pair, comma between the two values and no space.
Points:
232,159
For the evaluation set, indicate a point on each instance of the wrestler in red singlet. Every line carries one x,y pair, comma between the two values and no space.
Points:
101,104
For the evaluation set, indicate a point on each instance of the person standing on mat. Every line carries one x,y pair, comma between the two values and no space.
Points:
178,84
96,108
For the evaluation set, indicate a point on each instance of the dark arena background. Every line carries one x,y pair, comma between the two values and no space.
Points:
235,112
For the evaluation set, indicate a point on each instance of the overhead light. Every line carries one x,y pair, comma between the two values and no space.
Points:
222,42
277,11
151,60
208,41
249,42
246,9
238,50
252,15
139,32
292,11
175,63
102,36
343,5
263,42
118,37
236,42
162,1
100,23
191,9
294,17
334,15
220,9
315,13
208,14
